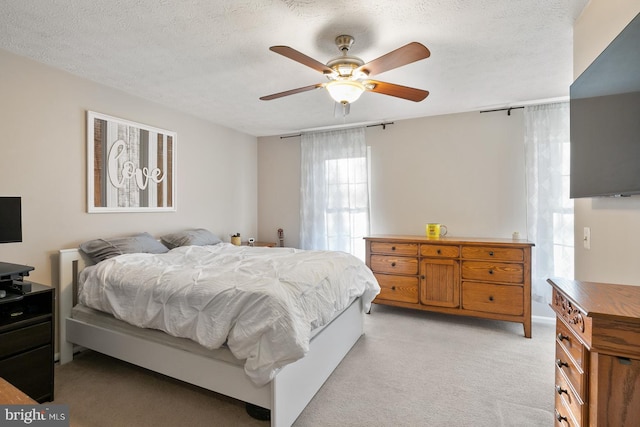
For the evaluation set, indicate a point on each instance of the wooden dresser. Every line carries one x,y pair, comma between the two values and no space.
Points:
597,354
488,278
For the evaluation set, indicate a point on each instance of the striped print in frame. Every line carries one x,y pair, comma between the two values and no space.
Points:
131,167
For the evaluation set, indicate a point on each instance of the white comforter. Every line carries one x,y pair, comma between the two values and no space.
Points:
262,302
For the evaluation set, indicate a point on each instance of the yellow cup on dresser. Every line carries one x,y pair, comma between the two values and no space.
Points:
435,231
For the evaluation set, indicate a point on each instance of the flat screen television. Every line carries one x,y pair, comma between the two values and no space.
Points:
605,121
10,219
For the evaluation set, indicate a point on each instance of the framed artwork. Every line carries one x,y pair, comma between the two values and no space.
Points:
131,167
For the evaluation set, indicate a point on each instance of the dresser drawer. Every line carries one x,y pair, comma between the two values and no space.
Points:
562,414
492,298
565,393
570,342
26,338
394,264
575,375
394,248
398,288
446,251
493,271
498,253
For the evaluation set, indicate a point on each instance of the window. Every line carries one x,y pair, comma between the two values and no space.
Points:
334,194
347,210
549,208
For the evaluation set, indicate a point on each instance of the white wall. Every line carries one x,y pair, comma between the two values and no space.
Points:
463,170
43,160
614,223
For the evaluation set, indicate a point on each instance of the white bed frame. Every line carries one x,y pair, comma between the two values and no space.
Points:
286,395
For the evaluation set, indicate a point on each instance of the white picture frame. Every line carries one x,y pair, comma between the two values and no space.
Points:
131,167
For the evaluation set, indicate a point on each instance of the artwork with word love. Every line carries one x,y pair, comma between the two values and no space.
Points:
131,167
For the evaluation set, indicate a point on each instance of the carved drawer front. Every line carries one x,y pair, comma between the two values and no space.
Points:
575,375
446,251
393,264
394,248
486,252
565,393
567,311
570,342
398,288
490,298
493,271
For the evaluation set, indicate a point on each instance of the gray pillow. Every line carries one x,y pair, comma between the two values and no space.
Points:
195,237
101,249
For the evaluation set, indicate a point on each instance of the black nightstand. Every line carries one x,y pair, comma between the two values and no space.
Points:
26,341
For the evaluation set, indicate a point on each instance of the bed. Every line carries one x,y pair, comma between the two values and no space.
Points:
285,390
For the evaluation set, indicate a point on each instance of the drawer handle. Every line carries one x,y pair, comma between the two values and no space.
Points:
560,363
393,248
560,418
393,264
490,271
562,337
439,252
490,297
560,390
393,288
490,253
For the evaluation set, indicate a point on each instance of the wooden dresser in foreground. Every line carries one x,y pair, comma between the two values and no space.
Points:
597,354
480,277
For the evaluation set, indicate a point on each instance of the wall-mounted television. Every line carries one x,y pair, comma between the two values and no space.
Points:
10,219
605,121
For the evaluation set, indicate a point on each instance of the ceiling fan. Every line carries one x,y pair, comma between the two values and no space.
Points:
349,76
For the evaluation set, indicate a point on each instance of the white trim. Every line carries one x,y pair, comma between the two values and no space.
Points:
543,319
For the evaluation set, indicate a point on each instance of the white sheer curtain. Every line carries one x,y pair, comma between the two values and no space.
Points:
549,208
334,192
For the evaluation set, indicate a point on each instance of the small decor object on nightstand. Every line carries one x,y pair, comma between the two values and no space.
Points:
235,239
281,237
251,241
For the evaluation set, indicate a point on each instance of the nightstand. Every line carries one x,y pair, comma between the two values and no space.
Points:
26,341
261,244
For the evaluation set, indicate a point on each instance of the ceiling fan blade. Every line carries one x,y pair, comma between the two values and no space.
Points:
404,92
291,92
404,55
302,58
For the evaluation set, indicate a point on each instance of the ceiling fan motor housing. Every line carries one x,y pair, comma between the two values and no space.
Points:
345,64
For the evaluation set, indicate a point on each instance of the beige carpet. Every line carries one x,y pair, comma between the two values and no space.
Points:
410,369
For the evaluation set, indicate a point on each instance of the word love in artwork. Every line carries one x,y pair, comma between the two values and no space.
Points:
129,170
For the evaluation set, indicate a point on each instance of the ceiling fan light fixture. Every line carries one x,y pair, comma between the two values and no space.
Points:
345,91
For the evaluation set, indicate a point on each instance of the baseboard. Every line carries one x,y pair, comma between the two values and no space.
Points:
543,319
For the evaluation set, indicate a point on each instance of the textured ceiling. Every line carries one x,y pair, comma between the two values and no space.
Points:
211,58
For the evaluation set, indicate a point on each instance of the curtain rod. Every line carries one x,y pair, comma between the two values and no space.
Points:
384,126
507,109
